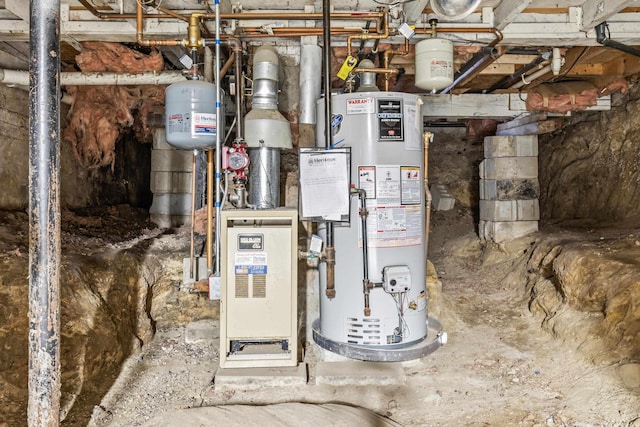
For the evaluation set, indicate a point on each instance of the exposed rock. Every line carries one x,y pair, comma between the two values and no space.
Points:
592,170
114,290
586,291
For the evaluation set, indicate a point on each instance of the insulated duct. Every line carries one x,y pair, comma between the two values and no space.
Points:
310,63
267,131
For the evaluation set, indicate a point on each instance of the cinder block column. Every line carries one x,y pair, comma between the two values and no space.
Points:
509,188
170,183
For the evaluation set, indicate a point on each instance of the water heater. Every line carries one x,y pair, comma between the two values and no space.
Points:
384,133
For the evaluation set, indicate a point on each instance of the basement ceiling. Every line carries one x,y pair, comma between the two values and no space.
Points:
523,33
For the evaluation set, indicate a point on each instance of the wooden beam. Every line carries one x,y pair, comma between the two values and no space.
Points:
499,69
536,128
596,11
506,11
413,10
524,120
20,8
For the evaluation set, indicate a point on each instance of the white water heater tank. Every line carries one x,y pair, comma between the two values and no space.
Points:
434,64
190,115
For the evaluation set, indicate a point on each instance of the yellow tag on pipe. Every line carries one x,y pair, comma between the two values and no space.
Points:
348,65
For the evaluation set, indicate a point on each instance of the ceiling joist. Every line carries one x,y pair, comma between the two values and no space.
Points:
596,11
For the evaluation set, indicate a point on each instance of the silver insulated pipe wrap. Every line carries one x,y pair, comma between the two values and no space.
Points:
266,131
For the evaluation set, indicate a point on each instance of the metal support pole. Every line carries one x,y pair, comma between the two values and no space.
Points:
44,214
218,154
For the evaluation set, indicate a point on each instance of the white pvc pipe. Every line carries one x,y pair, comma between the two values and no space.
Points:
21,78
531,77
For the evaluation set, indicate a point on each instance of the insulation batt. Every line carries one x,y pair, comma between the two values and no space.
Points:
99,114
569,96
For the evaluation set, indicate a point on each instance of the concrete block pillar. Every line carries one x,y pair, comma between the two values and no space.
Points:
509,188
171,183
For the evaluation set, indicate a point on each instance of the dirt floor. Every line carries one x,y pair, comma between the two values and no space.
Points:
503,365
499,367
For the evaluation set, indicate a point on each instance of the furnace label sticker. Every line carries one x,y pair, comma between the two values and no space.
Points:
250,242
410,184
388,185
367,180
361,106
203,124
250,263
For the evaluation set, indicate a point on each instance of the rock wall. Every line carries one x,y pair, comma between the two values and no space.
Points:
79,187
584,288
591,169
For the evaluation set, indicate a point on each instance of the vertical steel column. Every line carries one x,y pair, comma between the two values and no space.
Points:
44,214
326,38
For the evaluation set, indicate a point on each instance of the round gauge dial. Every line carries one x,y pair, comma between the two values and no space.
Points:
237,160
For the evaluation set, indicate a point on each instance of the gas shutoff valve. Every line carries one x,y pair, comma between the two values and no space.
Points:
396,278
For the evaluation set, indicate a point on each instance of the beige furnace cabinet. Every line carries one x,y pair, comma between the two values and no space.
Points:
258,304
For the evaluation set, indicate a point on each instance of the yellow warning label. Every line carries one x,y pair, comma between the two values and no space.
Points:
348,65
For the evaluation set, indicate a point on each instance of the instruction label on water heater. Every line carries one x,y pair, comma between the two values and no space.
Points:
395,216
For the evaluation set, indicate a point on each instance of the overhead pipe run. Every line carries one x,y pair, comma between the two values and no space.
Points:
603,36
21,78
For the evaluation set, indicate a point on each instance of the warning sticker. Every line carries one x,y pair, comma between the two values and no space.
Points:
389,226
178,123
367,180
361,106
388,185
410,184
250,263
441,68
203,124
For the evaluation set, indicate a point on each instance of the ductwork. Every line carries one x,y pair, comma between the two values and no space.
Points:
266,131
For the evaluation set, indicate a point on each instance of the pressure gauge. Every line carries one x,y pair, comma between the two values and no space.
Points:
238,160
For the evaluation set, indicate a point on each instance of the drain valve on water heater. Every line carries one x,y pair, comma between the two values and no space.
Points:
396,278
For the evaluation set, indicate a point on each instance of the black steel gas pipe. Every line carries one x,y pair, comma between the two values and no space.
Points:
326,39
44,214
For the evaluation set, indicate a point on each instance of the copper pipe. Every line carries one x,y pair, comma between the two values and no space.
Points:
330,259
305,30
192,250
375,70
426,139
366,36
227,65
166,13
210,210
172,13
387,59
140,35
